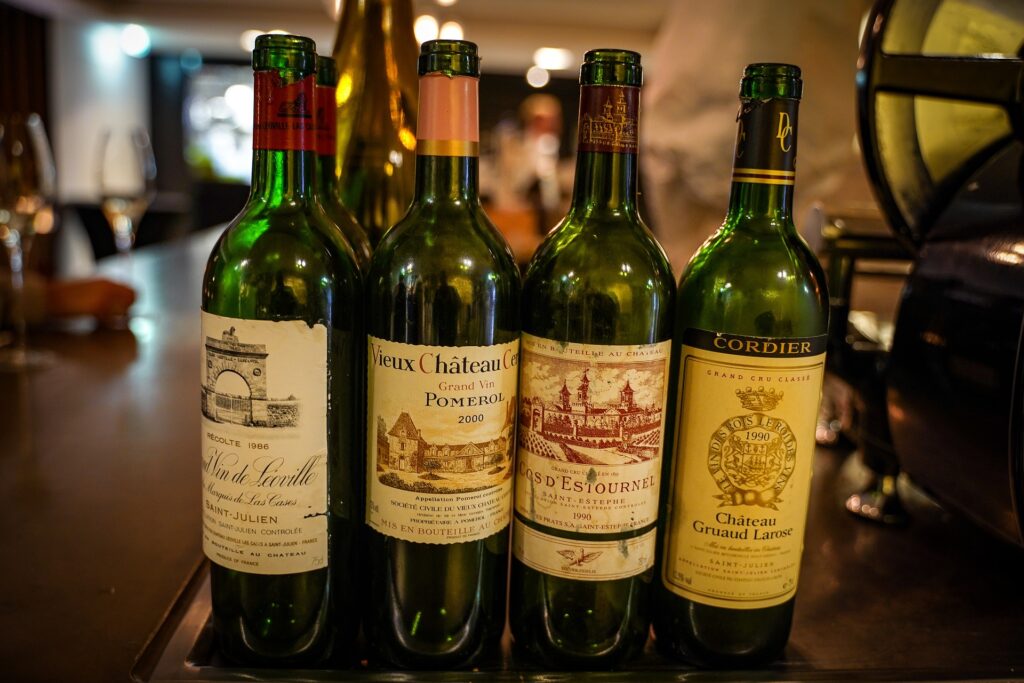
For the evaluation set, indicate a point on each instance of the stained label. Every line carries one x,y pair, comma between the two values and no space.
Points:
264,444
591,428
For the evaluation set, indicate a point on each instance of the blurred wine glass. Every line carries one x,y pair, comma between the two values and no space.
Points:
27,190
127,181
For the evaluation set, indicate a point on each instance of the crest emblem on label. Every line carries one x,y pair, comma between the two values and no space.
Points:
752,456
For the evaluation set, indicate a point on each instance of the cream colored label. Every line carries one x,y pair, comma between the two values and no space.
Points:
264,418
441,427
742,469
591,428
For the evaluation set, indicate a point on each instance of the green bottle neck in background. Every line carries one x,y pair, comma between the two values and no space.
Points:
764,168
325,181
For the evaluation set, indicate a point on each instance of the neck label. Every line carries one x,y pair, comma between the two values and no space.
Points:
284,114
608,118
766,142
326,120
448,124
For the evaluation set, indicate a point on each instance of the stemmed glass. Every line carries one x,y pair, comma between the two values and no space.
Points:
127,181
27,190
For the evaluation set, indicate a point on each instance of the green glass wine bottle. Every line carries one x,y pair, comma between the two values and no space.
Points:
443,318
375,50
749,353
597,309
281,325
326,181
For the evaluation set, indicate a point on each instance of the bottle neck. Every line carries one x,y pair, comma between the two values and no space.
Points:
282,176
606,173
325,180
755,200
447,140
605,183
447,179
283,160
764,169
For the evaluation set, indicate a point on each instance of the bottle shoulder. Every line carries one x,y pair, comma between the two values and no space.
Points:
765,283
601,255
599,283
351,232
439,238
293,237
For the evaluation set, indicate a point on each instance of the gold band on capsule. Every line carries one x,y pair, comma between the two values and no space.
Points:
764,176
448,148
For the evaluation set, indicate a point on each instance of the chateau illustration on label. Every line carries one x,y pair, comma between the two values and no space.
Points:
235,389
407,461
602,422
613,126
751,457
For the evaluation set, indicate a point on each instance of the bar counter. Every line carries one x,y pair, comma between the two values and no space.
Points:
101,547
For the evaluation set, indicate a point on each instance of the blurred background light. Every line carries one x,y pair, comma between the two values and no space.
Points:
248,39
553,58
451,30
537,76
425,28
135,40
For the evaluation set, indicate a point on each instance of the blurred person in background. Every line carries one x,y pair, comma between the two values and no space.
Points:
689,112
527,189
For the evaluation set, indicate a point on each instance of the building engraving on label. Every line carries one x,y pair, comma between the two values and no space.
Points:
573,428
236,386
613,127
405,460
264,471
752,456
297,108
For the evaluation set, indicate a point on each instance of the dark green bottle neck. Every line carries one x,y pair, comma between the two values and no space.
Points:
326,181
749,202
605,184
447,180
282,176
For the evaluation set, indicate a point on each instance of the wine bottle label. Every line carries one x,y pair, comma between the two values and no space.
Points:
326,121
742,467
608,118
264,404
766,142
440,432
284,113
448,123
591,425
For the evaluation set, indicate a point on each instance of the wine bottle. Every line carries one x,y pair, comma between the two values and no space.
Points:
597,311
443,312
749,350
326,181
376,98
281,320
